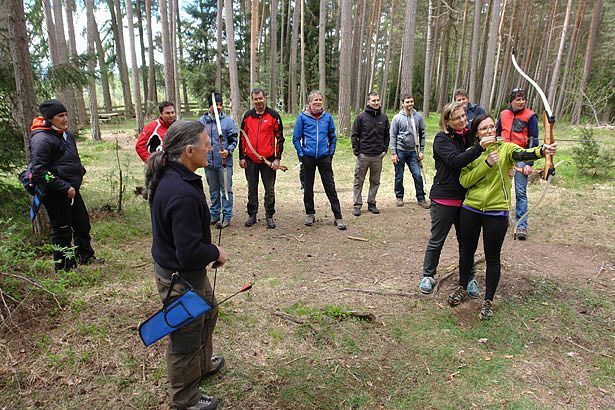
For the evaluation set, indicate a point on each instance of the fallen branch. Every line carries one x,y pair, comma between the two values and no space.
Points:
381,292
448,272
291,318
572,342
358,238
14,275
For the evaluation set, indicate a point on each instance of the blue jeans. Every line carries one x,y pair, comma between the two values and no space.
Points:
410,158
215,180
521,196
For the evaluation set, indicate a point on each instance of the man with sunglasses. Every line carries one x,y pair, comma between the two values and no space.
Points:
519,124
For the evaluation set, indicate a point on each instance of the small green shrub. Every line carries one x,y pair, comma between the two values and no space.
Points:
590,158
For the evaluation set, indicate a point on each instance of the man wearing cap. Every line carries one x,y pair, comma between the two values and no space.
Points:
519,125
220,161
472,110
56,166
152,136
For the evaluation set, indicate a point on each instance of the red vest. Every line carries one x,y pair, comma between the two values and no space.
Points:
514,126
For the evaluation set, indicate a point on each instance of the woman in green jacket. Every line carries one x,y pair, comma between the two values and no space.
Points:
486,207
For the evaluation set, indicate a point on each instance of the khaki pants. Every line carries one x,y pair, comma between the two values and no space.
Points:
190,348
374,163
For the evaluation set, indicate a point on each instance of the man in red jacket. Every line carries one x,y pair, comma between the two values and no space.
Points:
262,126
153,133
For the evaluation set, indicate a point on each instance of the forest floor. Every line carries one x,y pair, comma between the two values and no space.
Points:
335,319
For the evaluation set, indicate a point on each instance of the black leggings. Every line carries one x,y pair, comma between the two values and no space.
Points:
494,232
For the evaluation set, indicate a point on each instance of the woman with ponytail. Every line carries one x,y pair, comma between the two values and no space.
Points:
182,243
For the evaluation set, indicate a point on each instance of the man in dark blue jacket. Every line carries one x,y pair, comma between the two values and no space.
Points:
314,139
56,167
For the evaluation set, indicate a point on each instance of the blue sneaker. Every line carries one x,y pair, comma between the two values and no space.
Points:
426,285
473,289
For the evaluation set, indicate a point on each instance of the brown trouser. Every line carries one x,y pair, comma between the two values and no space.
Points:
190,347
362,164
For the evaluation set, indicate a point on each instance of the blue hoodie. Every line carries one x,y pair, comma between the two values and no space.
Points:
314,137
229,138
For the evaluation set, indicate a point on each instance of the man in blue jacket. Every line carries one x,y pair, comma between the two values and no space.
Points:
220,161
314,139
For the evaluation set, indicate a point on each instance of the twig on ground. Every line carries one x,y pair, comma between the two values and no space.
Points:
14,275
291,318
381,292
572,342
299,238
140,265
358,238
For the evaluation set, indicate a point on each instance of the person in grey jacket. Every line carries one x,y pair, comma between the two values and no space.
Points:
408,147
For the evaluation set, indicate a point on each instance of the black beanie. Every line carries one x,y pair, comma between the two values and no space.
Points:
218,99
51,108
516,93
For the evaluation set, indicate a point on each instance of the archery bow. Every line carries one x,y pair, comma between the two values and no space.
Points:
548,121
217,115
257,155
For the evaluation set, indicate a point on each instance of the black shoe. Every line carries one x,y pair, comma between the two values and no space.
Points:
251,220
270,222
91,260
356,211
217,364
372,208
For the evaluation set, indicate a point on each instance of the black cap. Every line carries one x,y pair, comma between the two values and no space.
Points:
218,99
51,108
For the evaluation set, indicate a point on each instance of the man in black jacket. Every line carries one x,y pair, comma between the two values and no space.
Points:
370,139
56,168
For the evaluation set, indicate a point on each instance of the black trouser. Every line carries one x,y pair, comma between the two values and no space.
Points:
268,177
68,222
494,232
325,170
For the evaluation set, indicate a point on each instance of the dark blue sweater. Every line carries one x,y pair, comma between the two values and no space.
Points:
180,221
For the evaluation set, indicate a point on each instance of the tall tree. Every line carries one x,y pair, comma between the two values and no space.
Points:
292,66
72,52
167,50
143,69
322,32
489,76
136,86
345,67
219,45
273,45
384,88
444,46
303,81
22,68
232,60
94,124
408,44
587,63
253,44
474,47
152,96
560,53
104,69
117,26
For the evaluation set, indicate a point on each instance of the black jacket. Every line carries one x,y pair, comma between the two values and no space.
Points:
451,152
370,132
55,152
180,221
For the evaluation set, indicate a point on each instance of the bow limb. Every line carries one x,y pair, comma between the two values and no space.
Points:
548,119
256,154
219,127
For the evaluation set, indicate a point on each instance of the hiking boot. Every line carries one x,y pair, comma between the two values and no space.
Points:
400,201
217,364
251,220
270,222
309,220
340,224
356,211
473,289
426,285
372,208
205,403
423,204
486,312
457,296
223,224
522,234
90,260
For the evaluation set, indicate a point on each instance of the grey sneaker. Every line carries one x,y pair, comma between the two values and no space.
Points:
458,296
309,220
205,403
522,234
339,223
400,202
223,224
426,285
473,289
356,211
486,312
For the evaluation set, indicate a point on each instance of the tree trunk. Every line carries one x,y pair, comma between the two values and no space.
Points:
406,74
117,26
26,108
51,32
95,126
322,63
345,68
72,51
104,70
232,61
219,45
587,64
136,86
292,88
253,43
490,56
506,64
497,56
428,50
173,16
384,88
560,54
273,45
152,96
143,70
462,47
483,50
282,51
474,46
570,58
184,84
359,97
167,50
303,81
442,100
